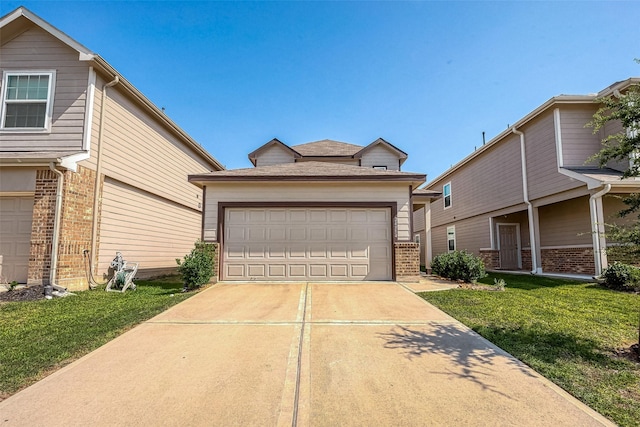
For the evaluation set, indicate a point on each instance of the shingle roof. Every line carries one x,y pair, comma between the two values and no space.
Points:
427,193
606,175
307,171
327,147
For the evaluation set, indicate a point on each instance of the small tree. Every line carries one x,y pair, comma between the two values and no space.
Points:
197,267
623,146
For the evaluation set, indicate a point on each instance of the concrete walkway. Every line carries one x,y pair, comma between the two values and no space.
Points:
297,354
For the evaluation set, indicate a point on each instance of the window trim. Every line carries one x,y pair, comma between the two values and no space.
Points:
49,103
451,230
444,197
416,239
380,167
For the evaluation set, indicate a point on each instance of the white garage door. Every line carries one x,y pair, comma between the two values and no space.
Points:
307,244
15,237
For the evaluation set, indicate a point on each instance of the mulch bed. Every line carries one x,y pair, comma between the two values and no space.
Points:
631,353
30,293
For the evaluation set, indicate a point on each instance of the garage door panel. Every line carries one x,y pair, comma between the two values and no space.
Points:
277,271
298,271
318,270
298,234
256,270
317,234
276,233
307,243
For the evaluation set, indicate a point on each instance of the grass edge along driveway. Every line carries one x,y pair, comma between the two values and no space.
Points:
567,331
39,337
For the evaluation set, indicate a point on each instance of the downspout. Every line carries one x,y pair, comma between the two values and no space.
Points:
48,289
525,195
96,187
597,227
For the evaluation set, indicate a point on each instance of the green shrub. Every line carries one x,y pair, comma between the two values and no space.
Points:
458,265
622,277
197,267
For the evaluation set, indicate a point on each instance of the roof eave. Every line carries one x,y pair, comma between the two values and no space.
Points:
203,179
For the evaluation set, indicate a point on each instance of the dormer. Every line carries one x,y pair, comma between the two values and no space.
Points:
381,155
273,152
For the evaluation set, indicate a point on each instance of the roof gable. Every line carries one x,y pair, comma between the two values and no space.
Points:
402,156
20,20
275,142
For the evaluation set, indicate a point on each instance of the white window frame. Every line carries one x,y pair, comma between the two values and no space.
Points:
382,168
444,197
49,102
451,231
416,239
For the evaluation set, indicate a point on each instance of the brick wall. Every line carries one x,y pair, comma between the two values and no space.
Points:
407,260
75,227
526,259
491,258
42,227
568,260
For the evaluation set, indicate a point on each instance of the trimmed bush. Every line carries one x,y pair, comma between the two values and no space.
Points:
197,267
458,265
622,277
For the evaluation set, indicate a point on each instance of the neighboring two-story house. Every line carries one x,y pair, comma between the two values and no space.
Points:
325,210
529,199
88,165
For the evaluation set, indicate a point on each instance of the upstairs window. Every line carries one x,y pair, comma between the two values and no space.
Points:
382,168
446,194
27,100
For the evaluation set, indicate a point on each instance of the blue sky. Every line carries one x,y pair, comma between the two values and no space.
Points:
429,77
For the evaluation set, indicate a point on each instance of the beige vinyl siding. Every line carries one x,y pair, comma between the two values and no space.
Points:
17,179
520,218
439,239
380,156
578,141
144,154
566,223
145,228
274,155
612,204
418,220
609,129
423,246
37,50
491,181
542,163
308,192
472,234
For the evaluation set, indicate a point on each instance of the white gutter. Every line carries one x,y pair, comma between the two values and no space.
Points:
597,228
525,195
56,234
96,187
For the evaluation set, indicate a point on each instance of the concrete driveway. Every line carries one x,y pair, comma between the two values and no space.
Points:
298,354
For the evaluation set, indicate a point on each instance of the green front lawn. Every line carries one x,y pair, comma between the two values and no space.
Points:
39,337
566,331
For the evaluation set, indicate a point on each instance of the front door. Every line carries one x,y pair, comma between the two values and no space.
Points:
508,235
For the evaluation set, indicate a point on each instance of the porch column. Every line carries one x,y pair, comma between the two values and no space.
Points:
534,236
428,256
598,231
